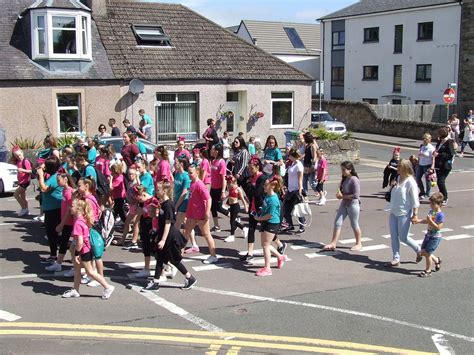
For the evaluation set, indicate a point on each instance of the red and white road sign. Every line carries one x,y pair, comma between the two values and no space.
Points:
449,96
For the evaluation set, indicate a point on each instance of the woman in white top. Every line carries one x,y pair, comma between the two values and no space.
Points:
453,122
294,194
425,162
468,137
404,205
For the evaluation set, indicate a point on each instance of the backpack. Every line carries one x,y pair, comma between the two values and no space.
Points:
102,184
105,226
97,243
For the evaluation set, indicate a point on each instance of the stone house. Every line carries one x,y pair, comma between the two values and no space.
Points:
68,64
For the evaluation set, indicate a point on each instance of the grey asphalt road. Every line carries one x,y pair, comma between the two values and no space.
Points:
341,303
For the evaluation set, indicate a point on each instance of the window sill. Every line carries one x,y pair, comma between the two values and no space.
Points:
282,126
369,79
424,40
423,81
371,41
396,91
398,52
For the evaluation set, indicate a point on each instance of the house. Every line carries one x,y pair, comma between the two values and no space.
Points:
466,60
67,66
398,52
297,44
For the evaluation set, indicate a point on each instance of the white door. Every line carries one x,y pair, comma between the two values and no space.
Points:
232,106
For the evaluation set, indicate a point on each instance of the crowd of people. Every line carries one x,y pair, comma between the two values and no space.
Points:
159,203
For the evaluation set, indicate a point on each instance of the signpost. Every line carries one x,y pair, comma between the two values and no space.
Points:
449,96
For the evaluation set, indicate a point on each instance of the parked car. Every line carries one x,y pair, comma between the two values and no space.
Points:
8,180
117,143
322,119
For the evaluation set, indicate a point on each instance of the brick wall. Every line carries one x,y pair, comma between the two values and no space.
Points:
466,59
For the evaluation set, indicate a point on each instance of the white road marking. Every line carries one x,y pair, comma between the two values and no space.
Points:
136,265
212,267
334,309
374,247
23,276
198,257
442,345
352,240
458,236
419,241
255,252
201,323
373,163
9,317
387,236
261,261
471,226
443,230
307,246
319,255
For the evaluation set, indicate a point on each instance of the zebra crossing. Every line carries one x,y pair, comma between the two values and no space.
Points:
311,250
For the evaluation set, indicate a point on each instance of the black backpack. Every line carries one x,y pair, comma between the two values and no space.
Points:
102,184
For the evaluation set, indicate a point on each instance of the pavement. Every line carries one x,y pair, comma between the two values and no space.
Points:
342,302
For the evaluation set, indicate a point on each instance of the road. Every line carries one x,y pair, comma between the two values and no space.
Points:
345,302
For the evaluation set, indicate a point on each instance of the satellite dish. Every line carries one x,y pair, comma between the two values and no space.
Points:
136,86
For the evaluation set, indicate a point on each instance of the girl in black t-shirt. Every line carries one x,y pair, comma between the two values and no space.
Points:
168,241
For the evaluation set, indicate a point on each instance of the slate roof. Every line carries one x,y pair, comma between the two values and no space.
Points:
375,6
272,38
59,4
15,63
200,49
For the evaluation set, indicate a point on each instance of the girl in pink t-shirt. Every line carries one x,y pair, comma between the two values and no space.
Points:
199,208
218,184
322,175
181,149
23,176
118,192
163,169
102,164
83,221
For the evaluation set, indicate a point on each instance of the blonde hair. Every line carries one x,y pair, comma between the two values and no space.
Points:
166,187
82,208
427,136
117,168
406,168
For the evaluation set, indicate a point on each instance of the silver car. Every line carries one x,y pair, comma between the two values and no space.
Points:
322,119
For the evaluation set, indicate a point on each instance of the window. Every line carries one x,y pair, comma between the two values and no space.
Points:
371,72
397,78
338,40
69,113
423,73
371,34
282,109
396,102
422,102
371,101
232,97
337,76
151,35
398,48
177,115
294,37
60,34
425,31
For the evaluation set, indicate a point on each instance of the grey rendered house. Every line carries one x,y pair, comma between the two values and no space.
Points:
68,64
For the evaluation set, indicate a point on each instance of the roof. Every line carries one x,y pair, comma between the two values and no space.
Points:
272,38
364,7
59,4
15,42
200,49
233,29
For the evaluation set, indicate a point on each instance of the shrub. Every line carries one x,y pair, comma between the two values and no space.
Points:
66,139
27,143
322,134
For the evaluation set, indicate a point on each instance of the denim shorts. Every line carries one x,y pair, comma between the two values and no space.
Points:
430,244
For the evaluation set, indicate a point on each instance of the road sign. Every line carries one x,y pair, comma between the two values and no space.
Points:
449,95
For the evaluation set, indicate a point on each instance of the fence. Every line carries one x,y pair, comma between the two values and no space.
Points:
414,113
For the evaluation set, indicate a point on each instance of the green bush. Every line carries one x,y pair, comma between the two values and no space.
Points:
66,139
322,134
27,143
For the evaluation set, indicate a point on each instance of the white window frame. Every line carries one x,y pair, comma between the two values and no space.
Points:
282,100
61,108
49,54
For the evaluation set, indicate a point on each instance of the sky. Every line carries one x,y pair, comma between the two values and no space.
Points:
231,12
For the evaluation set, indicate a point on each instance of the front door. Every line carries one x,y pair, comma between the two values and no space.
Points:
232,107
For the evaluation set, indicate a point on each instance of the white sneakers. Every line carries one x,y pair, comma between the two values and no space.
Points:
72,293
108,292
229,239
143,273
23,212
93,283
211,260
55,267
39,219
322,201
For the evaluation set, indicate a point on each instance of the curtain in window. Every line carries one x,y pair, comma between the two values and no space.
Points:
175,119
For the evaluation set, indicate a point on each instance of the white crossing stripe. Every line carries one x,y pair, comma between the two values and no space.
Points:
255,252
459,236
306,246
387,236
352,240
136,265
261,261
374,247
443,230
419,241
471,226
319,255
212,267
197,258
10,317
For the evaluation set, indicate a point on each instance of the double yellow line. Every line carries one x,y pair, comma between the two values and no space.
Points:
214,340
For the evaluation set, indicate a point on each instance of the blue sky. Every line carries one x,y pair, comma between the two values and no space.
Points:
230,12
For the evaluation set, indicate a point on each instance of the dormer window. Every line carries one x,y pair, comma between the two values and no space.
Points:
151,35
60,34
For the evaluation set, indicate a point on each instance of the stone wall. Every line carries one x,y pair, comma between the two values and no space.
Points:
466,59
360,117
338,151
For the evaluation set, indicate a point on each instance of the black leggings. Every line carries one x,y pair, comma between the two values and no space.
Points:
145,237
64,239
442,174
217,203
252,228
234,213
118,208
51,220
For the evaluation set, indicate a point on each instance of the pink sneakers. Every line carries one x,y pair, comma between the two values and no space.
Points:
264,272
281,261
193,249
